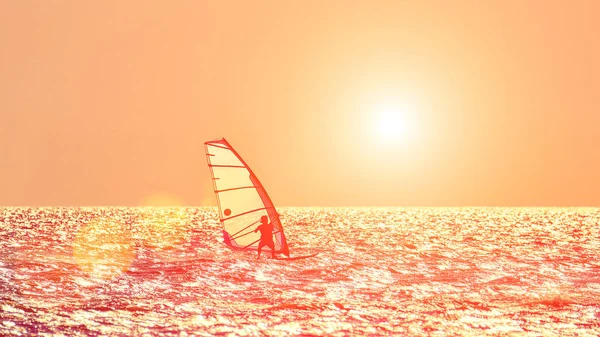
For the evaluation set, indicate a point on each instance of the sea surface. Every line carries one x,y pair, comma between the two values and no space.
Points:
380,271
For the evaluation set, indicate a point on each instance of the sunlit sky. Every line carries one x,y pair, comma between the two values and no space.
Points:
332,103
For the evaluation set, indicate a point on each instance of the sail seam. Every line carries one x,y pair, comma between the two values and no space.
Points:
235,188
248,212
234,166
222,147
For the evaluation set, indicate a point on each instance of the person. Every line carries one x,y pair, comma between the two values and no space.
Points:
266,235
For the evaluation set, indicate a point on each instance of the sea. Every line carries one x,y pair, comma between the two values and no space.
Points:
115,271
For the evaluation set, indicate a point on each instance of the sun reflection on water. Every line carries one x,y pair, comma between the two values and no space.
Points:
103,248
162,228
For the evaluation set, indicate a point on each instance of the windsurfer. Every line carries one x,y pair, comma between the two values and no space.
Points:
266,235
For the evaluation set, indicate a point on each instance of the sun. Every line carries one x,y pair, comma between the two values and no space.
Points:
393,123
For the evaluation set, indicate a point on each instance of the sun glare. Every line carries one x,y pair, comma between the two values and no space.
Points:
393,123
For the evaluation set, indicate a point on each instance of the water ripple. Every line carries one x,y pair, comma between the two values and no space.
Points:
380,271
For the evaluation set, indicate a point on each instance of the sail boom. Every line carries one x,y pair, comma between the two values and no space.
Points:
241,235
243,229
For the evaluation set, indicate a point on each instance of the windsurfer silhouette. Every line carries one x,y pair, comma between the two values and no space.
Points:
266,235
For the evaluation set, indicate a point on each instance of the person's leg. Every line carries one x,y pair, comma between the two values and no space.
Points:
272,246
260,245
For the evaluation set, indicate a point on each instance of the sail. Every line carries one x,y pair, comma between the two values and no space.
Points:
242,199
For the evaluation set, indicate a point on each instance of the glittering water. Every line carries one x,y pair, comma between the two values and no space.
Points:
415,271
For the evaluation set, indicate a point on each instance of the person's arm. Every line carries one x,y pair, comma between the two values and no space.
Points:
257,228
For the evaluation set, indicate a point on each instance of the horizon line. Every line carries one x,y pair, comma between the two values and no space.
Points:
298,206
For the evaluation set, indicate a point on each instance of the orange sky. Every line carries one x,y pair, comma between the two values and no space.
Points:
109,102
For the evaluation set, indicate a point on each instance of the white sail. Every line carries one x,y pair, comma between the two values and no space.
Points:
241,198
